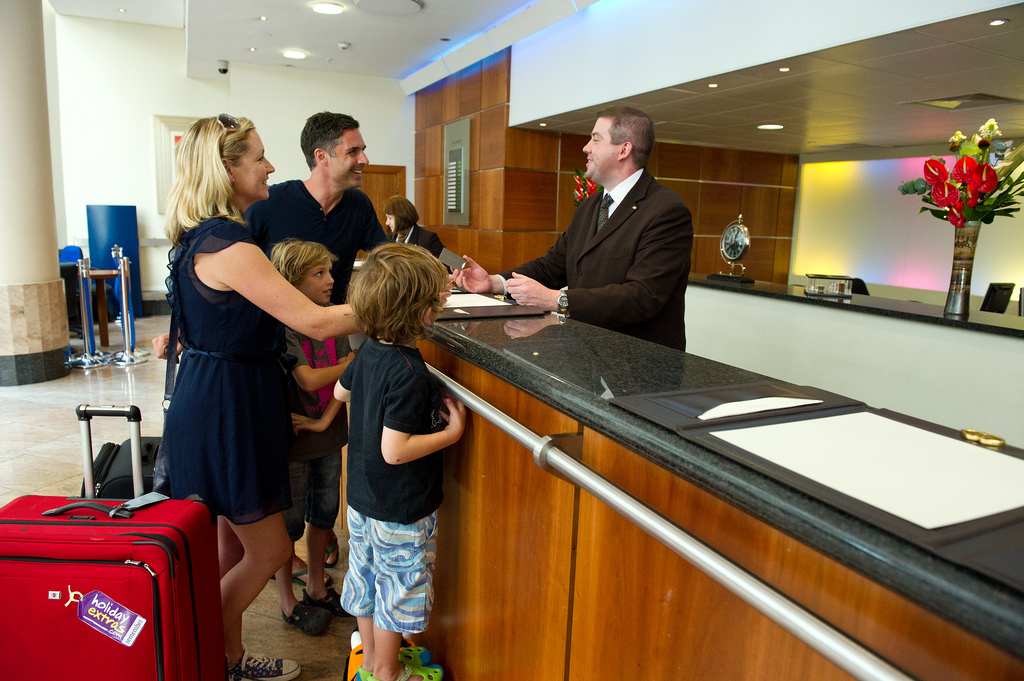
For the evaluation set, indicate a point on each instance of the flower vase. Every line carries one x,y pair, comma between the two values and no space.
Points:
965,240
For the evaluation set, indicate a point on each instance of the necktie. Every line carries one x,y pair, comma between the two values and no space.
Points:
602,215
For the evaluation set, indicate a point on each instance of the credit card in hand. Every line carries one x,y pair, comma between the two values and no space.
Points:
451,260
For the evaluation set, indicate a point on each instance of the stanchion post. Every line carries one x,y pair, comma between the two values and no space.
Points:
89,358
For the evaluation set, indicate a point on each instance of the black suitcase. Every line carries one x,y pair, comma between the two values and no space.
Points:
112,468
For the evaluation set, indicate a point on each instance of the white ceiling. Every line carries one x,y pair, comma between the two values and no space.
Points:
854,96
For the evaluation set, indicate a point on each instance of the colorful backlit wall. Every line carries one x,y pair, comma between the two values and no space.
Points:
852,220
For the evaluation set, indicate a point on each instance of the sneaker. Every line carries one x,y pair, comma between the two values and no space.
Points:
258,667
332,602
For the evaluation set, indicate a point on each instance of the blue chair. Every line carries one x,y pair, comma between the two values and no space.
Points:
70,253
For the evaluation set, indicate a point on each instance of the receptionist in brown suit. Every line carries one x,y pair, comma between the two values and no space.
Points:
624,270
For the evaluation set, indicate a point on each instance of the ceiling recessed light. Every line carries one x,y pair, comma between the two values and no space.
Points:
444,40
122,10
784,69
252,49
712,84
769,126
998,22
543,125
295,54
327,8
263,18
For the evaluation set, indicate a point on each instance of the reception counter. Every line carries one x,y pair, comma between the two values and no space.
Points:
537,578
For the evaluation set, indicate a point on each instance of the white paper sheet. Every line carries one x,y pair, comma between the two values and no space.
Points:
458,300
925,478
754,406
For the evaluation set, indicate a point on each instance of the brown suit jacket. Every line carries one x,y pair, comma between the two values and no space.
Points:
632,275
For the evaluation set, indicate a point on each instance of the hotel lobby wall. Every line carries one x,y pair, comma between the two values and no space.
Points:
521,181
853,221
113,77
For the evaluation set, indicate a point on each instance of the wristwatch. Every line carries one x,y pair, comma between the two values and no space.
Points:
563,303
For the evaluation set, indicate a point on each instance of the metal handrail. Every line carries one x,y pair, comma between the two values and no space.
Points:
846,653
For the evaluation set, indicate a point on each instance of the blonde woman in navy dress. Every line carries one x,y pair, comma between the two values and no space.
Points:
227,428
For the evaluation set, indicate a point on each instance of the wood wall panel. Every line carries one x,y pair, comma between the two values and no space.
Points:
429,194
494,78
762,168
493,123
531,149
787,213
679,161
490,249
689,192
571,156
451,99
433,150
504,554
487,200
566,207
706,258
760,209
790,170
721,165
694,629
521,247
760,259
429,102
474,141
783,251
530,200
719,205
470,83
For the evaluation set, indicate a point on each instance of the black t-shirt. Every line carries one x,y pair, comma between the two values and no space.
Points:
392,388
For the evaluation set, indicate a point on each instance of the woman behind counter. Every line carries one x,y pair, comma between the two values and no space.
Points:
401,218
226,432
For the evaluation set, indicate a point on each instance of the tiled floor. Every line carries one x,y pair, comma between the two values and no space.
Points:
40,453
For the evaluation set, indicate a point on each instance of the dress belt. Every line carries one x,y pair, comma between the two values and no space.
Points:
234,357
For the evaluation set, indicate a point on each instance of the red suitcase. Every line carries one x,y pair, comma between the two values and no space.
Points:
92,595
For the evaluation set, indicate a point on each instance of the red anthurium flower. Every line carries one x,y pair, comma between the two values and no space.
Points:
972,196
934,172
946,194
964,169
956,215
985,178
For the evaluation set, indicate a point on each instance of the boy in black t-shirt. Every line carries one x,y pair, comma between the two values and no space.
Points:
400,419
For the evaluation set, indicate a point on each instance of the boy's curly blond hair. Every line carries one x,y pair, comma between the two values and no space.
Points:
293,258
394,288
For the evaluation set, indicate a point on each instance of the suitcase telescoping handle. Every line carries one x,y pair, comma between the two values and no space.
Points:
133,414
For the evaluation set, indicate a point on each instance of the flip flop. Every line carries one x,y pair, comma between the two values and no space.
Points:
332,555
328,580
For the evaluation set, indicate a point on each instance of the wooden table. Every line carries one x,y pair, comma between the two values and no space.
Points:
101,301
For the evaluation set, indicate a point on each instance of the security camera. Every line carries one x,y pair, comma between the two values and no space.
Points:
222,66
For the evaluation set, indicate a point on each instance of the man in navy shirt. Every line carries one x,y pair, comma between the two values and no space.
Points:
328,208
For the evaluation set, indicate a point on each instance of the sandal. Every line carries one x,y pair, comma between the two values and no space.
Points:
311,621
333,554
408,655
431,673
331,602
299,578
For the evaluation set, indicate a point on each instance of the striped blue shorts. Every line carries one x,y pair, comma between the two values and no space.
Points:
391,572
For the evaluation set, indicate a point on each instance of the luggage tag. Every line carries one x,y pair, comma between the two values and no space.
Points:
142,502
107,616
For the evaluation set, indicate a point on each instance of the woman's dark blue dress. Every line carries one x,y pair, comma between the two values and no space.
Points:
227,429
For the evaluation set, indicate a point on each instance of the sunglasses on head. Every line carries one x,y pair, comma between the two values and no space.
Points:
228,122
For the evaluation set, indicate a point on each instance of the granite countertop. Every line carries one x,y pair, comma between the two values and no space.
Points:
576,368
1006,324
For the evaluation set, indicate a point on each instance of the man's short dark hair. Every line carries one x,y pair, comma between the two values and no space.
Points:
322,131
634,126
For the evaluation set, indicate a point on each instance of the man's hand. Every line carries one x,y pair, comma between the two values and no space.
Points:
531,292
475,279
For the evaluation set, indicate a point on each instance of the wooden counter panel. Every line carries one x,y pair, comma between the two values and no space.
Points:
504,560
666,619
